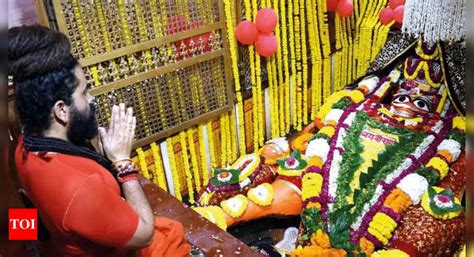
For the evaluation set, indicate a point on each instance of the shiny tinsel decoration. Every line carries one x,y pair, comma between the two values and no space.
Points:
435,20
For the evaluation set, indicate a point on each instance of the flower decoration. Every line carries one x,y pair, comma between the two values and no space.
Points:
441,203
225,177
382,227
390,253
318,147
205,197
450,149
356,96
293,165
438,164
235,206
459,123
321,239
327,130
414,185
213,214
247,164
261,195
312,183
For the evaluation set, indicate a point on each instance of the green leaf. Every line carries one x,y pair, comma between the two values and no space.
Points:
362,180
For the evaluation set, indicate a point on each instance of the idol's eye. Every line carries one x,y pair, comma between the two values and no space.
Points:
402,99
422,104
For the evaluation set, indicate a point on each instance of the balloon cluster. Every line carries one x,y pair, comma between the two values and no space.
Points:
395,11
260,33
343,7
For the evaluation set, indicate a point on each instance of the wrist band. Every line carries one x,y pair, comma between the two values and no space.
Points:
125,170
127,178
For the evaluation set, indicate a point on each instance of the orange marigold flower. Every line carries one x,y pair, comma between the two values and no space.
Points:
321,239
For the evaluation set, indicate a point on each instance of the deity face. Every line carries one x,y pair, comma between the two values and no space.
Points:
410,101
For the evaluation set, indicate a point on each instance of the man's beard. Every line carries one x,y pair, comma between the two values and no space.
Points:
83,125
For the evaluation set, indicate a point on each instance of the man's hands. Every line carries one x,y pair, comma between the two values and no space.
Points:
117,141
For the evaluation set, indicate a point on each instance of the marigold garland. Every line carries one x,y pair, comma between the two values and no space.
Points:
174,170
321,239
187,169
210,139
440,165
235,70
398,201
143,165
390,253
159,177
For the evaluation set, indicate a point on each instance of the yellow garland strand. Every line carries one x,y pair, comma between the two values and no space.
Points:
292,85
194,161
233,135
212,152
228,138
281,82
174,170
223,145
187,169
143,164
297,88
202,155
304,55
286,83
159,177
235,69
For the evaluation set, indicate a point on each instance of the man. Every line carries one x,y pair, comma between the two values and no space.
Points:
73,186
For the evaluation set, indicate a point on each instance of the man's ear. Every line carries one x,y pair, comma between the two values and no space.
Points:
61,112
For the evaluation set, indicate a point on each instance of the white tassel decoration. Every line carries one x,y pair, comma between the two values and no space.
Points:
435,20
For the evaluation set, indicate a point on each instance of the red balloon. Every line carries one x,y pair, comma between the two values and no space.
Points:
266,20
344,8
331,5
395,3
246,32
266,44
386,15
398,13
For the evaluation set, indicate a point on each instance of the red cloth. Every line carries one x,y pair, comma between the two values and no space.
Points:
79,202
168,240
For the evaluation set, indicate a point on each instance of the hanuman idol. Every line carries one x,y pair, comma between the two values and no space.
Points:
379,172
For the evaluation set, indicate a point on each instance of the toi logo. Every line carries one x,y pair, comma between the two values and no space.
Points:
22,224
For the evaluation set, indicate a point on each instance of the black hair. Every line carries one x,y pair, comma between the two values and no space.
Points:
42,68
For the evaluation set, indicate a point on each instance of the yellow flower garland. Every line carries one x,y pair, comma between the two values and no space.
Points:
143,165
194,162
174,170
390,253
440,165
304,56
212,152
327,130
187,169
311,185
459,123
223,129
235,70
159,177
